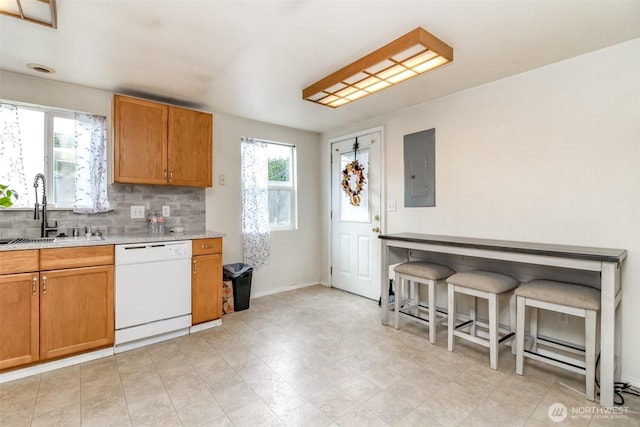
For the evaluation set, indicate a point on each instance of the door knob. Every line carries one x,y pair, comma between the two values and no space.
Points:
376,229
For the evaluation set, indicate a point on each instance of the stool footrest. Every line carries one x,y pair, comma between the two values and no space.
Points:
463,324
565,346
414,317
556,362
441,315
509,336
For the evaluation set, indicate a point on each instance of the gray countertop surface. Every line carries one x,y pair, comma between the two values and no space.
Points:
67,242
534,248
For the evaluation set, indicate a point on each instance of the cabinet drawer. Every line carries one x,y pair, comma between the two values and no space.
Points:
86,256
18,261
206,246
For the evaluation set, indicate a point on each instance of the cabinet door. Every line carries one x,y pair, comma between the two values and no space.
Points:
76,310
206,288
190,147
140,141
18,319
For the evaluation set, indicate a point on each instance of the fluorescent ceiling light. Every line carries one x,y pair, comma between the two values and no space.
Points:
37,11
406,57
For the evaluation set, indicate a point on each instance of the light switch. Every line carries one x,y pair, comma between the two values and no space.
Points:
391,205
221,179
137,212
165,211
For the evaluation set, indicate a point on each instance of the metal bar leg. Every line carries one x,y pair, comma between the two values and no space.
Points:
493,330
451,321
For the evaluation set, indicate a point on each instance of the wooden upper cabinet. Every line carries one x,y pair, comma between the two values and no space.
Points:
190,147
161,144
140,141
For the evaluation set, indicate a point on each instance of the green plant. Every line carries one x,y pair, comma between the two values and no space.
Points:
278,169
7,196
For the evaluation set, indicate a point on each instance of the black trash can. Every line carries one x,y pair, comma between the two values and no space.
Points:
240,276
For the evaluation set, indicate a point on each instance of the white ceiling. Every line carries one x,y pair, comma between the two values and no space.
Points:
253,58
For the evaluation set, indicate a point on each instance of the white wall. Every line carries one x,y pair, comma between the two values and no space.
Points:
551,155
295,253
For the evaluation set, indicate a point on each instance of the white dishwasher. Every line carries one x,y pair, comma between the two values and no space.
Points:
152,292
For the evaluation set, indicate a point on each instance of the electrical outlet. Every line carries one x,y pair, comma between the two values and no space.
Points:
563,318
165,211
137,212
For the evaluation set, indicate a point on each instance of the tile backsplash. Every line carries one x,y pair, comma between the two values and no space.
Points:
187,206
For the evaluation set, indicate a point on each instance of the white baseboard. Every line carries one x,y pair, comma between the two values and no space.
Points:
284,289
206,325
56,364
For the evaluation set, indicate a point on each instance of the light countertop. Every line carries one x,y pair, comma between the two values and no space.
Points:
113,239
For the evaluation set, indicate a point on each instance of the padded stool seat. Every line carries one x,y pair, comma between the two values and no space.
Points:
568,294
487,285
485,281
572,299
419,272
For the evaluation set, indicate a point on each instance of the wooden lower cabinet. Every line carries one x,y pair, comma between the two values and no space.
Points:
206,280
19,319
67,308
76,310
206,288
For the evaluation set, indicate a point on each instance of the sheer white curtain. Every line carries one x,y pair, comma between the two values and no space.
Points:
256,234
17,157
91,164
11,159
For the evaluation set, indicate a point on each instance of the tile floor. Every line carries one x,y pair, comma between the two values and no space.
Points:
310,357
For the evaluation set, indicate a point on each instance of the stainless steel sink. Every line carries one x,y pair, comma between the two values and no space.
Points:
20,240
25,240
91,238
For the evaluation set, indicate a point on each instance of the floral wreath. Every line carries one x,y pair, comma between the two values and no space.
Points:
356,169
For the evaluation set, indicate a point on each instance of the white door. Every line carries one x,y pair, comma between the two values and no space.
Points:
355,224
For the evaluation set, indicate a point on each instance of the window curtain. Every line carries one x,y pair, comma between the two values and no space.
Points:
11,160
256,234
91,164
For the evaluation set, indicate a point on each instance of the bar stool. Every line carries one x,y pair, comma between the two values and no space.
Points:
419,273
572,299
487,285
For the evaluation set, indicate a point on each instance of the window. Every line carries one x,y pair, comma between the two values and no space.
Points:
282,186
268,175
69,148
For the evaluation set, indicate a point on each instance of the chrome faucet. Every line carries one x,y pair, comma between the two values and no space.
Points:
44,226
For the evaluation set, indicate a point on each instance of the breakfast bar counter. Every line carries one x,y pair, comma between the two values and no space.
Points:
607,262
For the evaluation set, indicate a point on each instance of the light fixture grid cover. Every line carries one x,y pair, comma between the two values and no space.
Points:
43,12
418,42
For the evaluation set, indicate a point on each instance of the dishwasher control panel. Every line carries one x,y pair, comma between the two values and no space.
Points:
138,253
176,251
